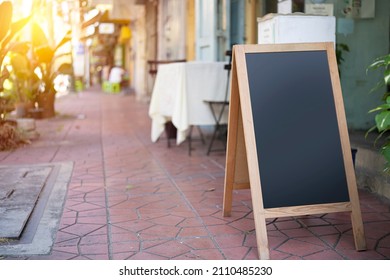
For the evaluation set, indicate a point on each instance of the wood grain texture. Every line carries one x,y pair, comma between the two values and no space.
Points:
251,152
231,146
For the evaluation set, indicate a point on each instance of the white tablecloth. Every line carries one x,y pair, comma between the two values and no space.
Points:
179,95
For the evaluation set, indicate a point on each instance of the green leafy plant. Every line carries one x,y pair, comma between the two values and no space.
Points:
382,117
21,77
340,50
45,62
8,44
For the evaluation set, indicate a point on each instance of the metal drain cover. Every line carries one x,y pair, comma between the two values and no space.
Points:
19,192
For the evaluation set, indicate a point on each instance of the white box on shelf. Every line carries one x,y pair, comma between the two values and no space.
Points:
296,28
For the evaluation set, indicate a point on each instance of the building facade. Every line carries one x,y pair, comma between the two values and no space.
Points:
205,29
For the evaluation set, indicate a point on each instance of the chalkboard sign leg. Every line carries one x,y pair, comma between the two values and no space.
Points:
227,201
358,231
356,214
261,237
237,174
231,146
228,188
357,223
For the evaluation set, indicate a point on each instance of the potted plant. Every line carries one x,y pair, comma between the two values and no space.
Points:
8,30
382,116
45,62
22,79
9,136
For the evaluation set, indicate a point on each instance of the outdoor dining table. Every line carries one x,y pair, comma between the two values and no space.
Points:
180,93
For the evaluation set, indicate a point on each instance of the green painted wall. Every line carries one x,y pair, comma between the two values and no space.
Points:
367,39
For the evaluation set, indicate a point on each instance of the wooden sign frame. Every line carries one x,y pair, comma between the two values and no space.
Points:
242,163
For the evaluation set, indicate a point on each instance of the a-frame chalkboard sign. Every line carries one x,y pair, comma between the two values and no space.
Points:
287,136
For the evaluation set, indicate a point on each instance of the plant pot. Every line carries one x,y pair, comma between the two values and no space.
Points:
46,104
10,122
35,113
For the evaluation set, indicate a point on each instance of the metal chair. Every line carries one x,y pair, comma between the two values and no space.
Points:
219,128
190,139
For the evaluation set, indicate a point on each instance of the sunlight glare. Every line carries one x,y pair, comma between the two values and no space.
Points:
38,72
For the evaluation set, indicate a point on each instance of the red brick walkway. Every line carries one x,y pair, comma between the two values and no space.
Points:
130,198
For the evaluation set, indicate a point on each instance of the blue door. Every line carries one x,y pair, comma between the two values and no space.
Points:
237,22
212,29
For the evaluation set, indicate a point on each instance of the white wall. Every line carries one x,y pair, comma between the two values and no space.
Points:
171,29
139,55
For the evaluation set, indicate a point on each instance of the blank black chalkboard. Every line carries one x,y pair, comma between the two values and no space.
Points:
287,136
296,129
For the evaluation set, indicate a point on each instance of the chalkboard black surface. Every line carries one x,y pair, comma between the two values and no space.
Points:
296,129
